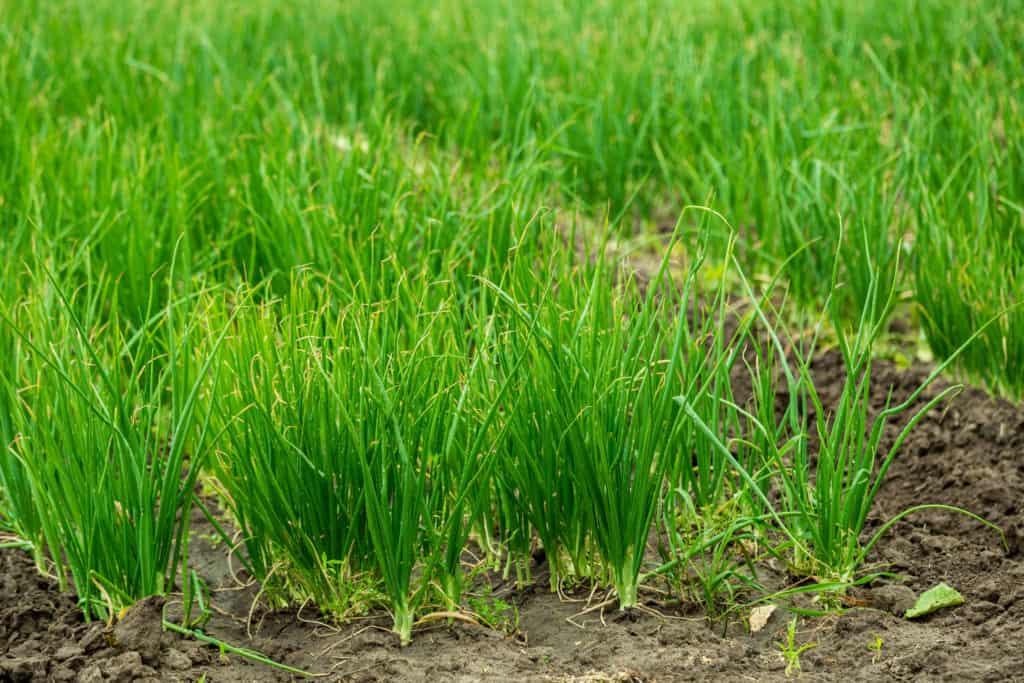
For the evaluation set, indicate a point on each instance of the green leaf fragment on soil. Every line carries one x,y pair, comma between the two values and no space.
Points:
934,599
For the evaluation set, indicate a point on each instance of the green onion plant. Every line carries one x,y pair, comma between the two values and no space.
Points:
107,469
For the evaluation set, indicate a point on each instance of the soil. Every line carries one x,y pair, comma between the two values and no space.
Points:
969,454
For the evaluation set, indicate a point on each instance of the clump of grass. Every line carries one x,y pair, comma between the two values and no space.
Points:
825,497
351,447
834,494
104,469
593,432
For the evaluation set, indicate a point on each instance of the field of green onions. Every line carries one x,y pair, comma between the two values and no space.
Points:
396,297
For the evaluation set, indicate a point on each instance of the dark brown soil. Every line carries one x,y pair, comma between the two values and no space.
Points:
971,455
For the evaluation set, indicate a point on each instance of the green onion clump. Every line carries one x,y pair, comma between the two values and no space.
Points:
111,437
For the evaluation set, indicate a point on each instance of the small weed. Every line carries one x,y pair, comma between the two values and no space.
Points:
495,613
791,651
876,647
